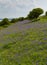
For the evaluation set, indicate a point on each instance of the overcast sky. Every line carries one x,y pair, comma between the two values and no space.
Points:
18,8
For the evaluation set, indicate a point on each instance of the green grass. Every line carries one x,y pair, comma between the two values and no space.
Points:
27,48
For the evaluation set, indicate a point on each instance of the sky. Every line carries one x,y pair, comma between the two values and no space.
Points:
20,8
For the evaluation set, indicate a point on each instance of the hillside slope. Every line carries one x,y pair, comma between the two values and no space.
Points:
24,44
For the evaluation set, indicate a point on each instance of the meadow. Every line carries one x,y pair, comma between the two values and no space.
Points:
27,46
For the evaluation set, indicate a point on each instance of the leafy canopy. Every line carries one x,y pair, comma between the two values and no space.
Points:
35,13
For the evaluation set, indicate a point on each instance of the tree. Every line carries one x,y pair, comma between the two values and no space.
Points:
35,13
13,20
5,21
46,13
20,18
17,19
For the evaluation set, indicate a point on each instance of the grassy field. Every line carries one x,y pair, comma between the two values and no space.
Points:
28,47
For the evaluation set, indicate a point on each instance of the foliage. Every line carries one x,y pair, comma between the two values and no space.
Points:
5,21
20,18
35,13
13,20
17,19
46,13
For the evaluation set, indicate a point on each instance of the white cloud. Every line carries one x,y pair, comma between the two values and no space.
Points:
13,3
16,7
20,7
5,3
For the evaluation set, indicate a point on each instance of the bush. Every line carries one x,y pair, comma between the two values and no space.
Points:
35,13
46,13
20,18
5,21
17,19
13,20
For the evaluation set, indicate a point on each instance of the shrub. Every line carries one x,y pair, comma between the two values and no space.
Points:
20,18
35,13
46,13
13,20
5,21
17,19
